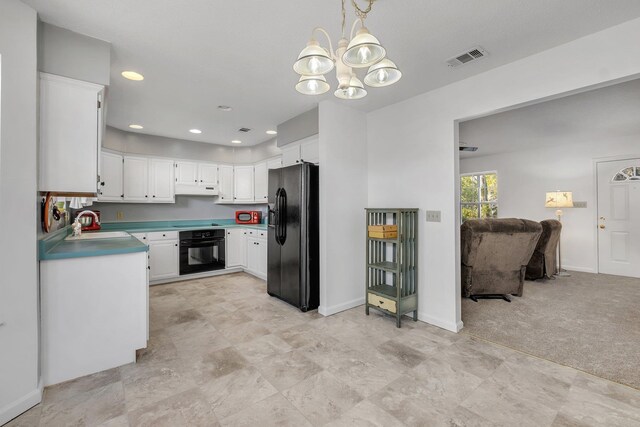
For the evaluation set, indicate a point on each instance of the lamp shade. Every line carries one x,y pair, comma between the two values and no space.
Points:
355,90
383,73
364,50
313,60
559,199
312,85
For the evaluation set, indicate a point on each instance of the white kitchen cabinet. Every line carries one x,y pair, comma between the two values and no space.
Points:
110,189
136,179
163,259
257,256
290,155
225,177
70,134
261,182
186,173
243,184
161,181
310,151
208,174
236,247
274,163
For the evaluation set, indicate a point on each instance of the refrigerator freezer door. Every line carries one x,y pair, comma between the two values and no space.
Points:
290,250
273,247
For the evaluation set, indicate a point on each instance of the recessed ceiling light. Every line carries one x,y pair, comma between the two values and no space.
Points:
236,141
224,108
272,132
195,131
132,75
136,127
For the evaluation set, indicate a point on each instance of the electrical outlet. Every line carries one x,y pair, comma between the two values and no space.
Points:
579,204
433,216
119,215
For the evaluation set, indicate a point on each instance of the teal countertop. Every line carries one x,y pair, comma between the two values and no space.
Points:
53,246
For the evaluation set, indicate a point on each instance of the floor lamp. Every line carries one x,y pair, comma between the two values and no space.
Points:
559,199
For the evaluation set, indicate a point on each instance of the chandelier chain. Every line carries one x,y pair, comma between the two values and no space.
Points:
344,17
362,14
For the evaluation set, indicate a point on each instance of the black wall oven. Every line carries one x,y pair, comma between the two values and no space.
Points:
201,250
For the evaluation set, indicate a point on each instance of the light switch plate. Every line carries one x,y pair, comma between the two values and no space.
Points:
433,216
579,204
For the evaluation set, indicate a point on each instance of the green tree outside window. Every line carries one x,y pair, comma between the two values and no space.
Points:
479,196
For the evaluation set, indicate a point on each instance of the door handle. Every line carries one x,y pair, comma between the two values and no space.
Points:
602,226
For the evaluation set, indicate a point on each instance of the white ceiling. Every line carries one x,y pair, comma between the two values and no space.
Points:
198,54
613,110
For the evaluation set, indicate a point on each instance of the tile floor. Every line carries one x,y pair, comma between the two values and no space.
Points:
224,353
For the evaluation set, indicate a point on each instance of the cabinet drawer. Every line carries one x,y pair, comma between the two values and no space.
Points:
382,302
162,235
258,234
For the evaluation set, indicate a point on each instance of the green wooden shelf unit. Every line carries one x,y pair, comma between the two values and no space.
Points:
392,271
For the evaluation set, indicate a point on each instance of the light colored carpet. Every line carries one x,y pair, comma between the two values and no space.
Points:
590,322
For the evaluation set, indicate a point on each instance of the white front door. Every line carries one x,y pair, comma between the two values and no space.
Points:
619,217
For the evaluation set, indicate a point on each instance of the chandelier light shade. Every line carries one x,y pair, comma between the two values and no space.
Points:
364,50
313,60
355,90
383,73
312,85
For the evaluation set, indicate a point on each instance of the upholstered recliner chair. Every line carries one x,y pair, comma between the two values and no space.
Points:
495,254
543,261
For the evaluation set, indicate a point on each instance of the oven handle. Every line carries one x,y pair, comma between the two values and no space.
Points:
199,243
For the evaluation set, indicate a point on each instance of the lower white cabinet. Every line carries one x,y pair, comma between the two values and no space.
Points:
164,255
236,247
257,256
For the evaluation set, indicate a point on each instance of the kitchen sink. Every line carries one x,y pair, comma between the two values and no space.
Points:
99,235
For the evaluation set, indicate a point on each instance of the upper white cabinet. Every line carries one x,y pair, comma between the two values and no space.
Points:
70,134
274,163
261,182
110,189
186,173
225,177
290,155
136,179
243,184
306,150
196,178
161,187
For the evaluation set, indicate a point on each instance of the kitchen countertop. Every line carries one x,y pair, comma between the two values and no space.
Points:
54,247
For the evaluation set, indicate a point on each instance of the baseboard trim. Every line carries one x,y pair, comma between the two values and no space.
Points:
440,323
580,269
328,311
21,405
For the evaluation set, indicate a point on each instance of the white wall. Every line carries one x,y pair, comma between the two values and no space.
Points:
18,263
413,154
343,198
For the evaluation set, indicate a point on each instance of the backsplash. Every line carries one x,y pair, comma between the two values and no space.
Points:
185,207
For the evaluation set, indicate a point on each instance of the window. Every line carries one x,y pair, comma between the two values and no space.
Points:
628,174
479,195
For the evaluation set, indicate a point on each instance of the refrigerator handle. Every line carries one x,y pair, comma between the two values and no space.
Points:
282,216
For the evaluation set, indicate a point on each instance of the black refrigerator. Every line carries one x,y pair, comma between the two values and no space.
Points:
293,249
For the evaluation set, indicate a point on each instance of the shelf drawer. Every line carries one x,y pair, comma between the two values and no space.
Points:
382,302
162,235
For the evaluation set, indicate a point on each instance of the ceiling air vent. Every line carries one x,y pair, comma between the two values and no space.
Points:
466,57
245,130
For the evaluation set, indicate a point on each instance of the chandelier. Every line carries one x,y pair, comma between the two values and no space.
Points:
364,50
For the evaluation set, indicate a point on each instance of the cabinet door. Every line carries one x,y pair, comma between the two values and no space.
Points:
110,189
274,163
208,174
225,175
261,254
163,259
161,180
253,255
243,184
70,119
261,180
290,155
186,173
310,151
236,250
136,179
